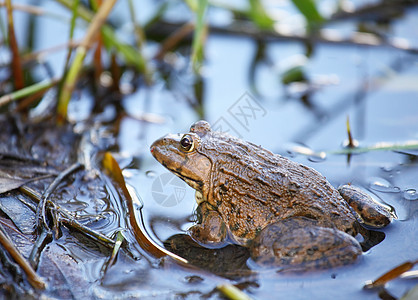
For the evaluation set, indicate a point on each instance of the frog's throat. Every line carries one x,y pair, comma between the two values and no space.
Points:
197,185
199,197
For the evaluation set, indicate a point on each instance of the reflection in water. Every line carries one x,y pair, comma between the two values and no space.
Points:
371,238
382,185
229,261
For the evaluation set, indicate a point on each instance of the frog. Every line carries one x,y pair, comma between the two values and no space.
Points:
287,214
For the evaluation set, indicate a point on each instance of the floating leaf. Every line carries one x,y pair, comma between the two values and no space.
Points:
142,237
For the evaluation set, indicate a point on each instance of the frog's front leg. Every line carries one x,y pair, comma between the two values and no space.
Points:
298,243
366,210
210,230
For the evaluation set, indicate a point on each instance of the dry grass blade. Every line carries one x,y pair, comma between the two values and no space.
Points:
351,142
174,39
33,278
16,64
74,224
118,243
232,292
390,275
146,243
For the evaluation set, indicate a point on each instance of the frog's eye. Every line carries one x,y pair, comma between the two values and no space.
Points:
187,143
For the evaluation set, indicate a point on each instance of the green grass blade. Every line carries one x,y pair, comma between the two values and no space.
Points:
259,16
71,78
27,91
199,36
308,9
131,55
382,146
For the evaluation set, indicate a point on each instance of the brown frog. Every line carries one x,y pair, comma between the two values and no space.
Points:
286,213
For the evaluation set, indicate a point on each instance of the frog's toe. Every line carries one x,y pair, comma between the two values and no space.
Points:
298,244
366,209
209,235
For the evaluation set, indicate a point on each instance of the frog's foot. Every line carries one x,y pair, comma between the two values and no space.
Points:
366,210
211,231
300,244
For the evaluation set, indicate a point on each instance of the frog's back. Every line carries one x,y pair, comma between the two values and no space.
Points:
252,187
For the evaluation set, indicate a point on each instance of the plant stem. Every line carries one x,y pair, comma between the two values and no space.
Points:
70,81
45,84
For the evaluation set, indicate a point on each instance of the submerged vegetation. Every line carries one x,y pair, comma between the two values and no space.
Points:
55,163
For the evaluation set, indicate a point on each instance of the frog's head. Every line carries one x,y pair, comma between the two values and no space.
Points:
180,154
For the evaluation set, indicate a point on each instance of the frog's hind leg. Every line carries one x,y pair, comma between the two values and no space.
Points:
367,211
299,244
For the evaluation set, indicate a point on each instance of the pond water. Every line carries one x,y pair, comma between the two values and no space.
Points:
386,112
374,86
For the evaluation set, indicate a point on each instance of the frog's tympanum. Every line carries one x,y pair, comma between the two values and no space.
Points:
286,213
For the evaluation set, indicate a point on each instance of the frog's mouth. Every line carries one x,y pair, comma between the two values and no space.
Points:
194,183
192,167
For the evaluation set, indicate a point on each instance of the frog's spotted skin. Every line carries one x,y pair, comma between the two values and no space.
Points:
323,247
244,189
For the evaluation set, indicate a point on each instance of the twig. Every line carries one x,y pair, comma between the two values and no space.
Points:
43,239
40,211
71,222
33,278
68,220
246,28
370,11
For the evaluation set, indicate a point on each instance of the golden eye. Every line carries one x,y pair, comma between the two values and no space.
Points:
187,143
